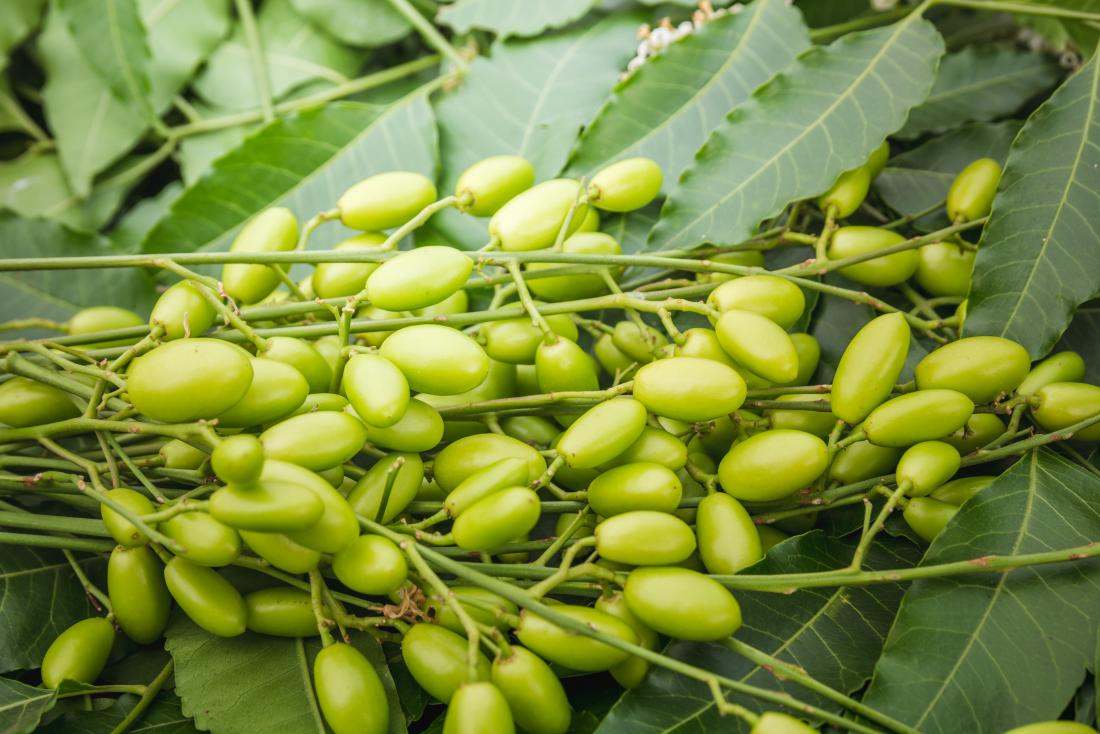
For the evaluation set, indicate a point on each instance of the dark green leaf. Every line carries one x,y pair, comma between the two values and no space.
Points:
141,219
22,706
162,717
356,22
1083,337
181,36
668,106
508,18
822,116
1040,251
17,20
985,653
820,14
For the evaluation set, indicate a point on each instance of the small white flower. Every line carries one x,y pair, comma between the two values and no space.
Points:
634,63
660,37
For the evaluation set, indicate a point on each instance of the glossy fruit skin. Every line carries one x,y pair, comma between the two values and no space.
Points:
809,354
208,599
770,537
436,658
927,465
635,343
771,465
1053,727
562,365
971,194
1062,404
238,459
534,693
878,159
337,280
418,278
631,672
208,542
863,460
276,390
376,388
681,603
437,359
280,611
655,446
183,381
927,517
492,182
179,455
773,722
376,338
759,344
728,540
869,367
625,185
531,429
372,565
570,287
943,269
689,388
925,415
1061,367
420,428
79,653
121,530
385,200
102,318
182,311
316,441
441,613
349,691
321,401
602,432
516,341
980,429
366,498
25,402
272,230
644,538
637,486
478,708
531,220
302,356
459,460
571,649
772,297
958,491
284,499
882,271
496,520
282,552
747,258
139,598
818,422
337,526
611,358
847,193
980,367
500,475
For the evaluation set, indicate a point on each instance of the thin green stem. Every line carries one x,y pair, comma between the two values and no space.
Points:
146,700
429,33
259,58
998,6
324,624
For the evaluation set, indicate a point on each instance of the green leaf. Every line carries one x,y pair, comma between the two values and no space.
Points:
34,185
918,179
140,220
22,706
251,683
17,19
198,152
530,98
1040,251
509,18
987,652
163,716
1083,337
834,634
981,83
304,162
798,132
356,22
181,36
819,14
668,106
39,598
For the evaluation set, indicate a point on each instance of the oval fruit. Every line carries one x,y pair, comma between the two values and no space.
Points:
496,520
420,428
437,359
283,499
728,539
478,708
339,280
182,311
276,390
189,379
681,603
533,691
302,356
881,271
924,415
1061,404
139,598
927,465
602,432
847,193
385,200
79,653
927,517
958,491
570,287
637,486
436,658
943,269
772,465
516,341
489,184
689,388
863,460
316,441
281,611
376,388
532,219
980,367
1061,367
645,538
418,278
366,497
371,564
458,460
571,649
971,194
759,344
272,230
349,691
869,367
625,185
122,530
768,295
282,552
206,597
207,542
500,475
655,446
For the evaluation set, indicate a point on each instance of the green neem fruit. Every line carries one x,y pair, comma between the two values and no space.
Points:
79,653
376,389
925,415
637,344
285,498
281,611
456,303
869,367
334,476
809,354
177,454
717,436
436,658
509,472
745,258
883,271
611,358
631,672
562,365
139,598
1053,727
960,490
876,162
570,287
971,194
1060,367
980,367
418,278
703,343
102,318
927,465
302,356
689,388
339,280
847,193
655,446
182,311
207,541
282,552
759,344
584,530
24,402
638,486
770,537
1061,404
571,649
818,422
373,313
773,722
337,526
183,381
371,564
943,269
602,432
626,185
238,459
315,440
927,517
208,599
533,691
645,538
496,520
980,429
863,460
477,708
122,530
272,230
366,498
420,428
728,540
437,359
591,221
349,691
772,465
385,200
489,184
531,429
531,220
459,460
516,341
276,390
681,603
500,382
441,613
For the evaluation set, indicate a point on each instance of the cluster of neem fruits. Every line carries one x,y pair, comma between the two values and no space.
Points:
322,448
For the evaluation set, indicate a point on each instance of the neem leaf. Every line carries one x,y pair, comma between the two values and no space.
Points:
509,18
22,706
